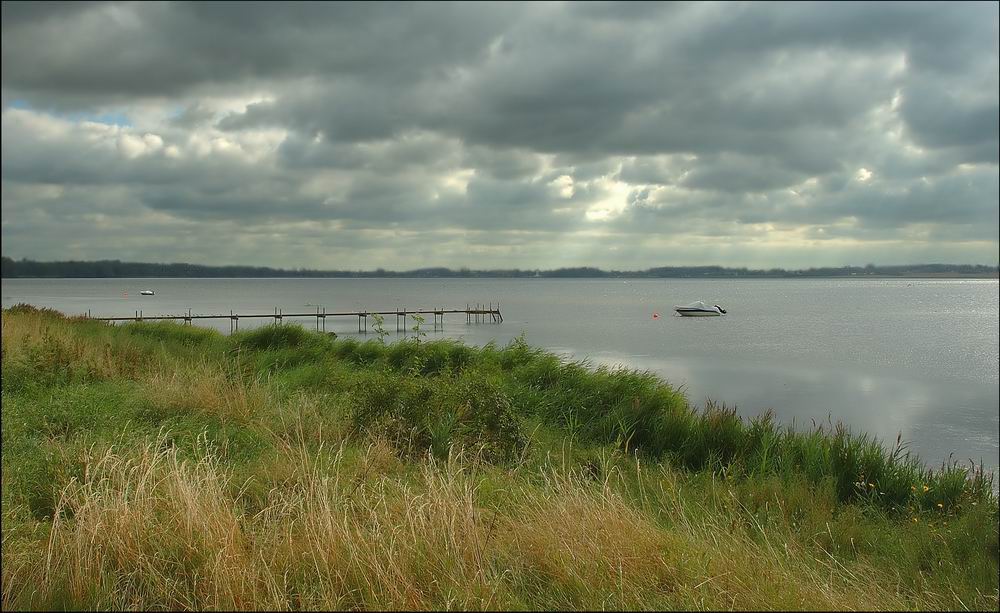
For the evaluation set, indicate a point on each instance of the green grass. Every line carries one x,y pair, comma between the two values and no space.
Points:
164,466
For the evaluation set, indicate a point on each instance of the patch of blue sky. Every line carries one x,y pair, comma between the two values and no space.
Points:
117,118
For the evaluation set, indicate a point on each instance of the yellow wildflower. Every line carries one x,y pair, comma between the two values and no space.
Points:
927,489
940,506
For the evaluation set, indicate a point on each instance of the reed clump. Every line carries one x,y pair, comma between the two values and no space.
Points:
151,466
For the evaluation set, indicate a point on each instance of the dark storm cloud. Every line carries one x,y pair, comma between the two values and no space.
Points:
193,115
738,174
967,198
539,124
940,119
119,50
503,164
21,14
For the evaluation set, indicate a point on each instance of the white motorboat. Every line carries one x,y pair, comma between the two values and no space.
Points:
146,292
698,309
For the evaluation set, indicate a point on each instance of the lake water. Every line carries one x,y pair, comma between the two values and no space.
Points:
917,356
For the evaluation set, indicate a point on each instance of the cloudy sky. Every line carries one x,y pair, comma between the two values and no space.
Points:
532,135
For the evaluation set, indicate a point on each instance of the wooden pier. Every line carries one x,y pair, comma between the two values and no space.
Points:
474,314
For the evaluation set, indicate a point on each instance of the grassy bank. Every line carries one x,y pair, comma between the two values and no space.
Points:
162,466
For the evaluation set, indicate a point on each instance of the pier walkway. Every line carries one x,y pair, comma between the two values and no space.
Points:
479,313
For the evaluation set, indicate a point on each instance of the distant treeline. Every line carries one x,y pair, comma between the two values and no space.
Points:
114,268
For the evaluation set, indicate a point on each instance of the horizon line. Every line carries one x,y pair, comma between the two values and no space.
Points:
938,268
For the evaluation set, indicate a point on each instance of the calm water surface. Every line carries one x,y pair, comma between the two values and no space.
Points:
917,356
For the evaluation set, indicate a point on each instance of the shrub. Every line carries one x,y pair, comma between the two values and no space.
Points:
274,336
417,414
171,332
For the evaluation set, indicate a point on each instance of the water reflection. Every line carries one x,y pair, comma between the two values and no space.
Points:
935,416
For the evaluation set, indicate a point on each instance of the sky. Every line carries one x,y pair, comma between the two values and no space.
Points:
539,135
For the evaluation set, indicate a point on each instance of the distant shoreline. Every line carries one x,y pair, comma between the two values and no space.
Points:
107,269
636,277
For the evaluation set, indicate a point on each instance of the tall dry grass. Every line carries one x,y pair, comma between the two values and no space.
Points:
43,348
206,388
144,529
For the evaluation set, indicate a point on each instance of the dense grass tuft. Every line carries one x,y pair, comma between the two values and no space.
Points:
170,332
273,336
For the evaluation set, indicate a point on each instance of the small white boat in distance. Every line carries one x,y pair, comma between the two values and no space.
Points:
698,309
146,292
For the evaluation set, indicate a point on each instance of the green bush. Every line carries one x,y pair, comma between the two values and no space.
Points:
171,332
417,414
274,336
